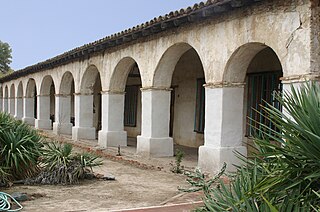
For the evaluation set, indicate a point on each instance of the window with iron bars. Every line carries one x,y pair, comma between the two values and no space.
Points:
261,90
130,106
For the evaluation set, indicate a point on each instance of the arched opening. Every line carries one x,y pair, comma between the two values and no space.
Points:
6,99
121,110
12,100
259,68
90,94
188,101
97,104
30,103
19,102
64,114
132,104
180,69
46,104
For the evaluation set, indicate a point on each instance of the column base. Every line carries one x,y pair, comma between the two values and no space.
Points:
211,159
28,120
62,128
18,117
43,124
155,147
112,138
83,133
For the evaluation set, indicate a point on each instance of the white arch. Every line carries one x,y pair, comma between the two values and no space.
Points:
163,73
66,83
237,65
31,88
120,74
46,85
20,90
88,79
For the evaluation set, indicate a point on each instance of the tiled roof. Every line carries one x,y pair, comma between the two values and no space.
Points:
197,12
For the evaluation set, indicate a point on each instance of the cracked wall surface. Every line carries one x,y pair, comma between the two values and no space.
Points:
315,36
290,28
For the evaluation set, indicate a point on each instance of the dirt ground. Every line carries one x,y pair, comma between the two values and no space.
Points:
136,185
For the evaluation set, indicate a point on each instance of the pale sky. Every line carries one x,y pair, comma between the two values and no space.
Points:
37,30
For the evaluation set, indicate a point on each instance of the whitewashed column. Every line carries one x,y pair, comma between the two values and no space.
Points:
223,128
43,113
11,105
62,124
154,139
83,111
18,108
28,110
112,132
5,104
1,103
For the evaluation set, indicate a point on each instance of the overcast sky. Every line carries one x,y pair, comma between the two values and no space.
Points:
37,30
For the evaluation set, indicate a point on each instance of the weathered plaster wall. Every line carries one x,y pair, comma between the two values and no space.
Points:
290,28
265,60
315,36
275,24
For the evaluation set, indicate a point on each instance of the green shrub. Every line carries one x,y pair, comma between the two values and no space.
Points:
284,172
177,168
63,166
20,148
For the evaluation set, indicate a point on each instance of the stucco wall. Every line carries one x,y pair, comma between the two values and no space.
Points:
276,24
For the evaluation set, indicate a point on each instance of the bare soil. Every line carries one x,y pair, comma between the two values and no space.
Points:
134,187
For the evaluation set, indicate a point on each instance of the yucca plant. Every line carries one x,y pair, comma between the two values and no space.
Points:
56,154
20,148
283,173
63,166
295,151
4,175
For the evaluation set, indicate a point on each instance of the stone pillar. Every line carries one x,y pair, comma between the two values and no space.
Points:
112,132
11,106
154,139
43,113
1,103
5,104
223,128
28,110
83,128
62,124
18,108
